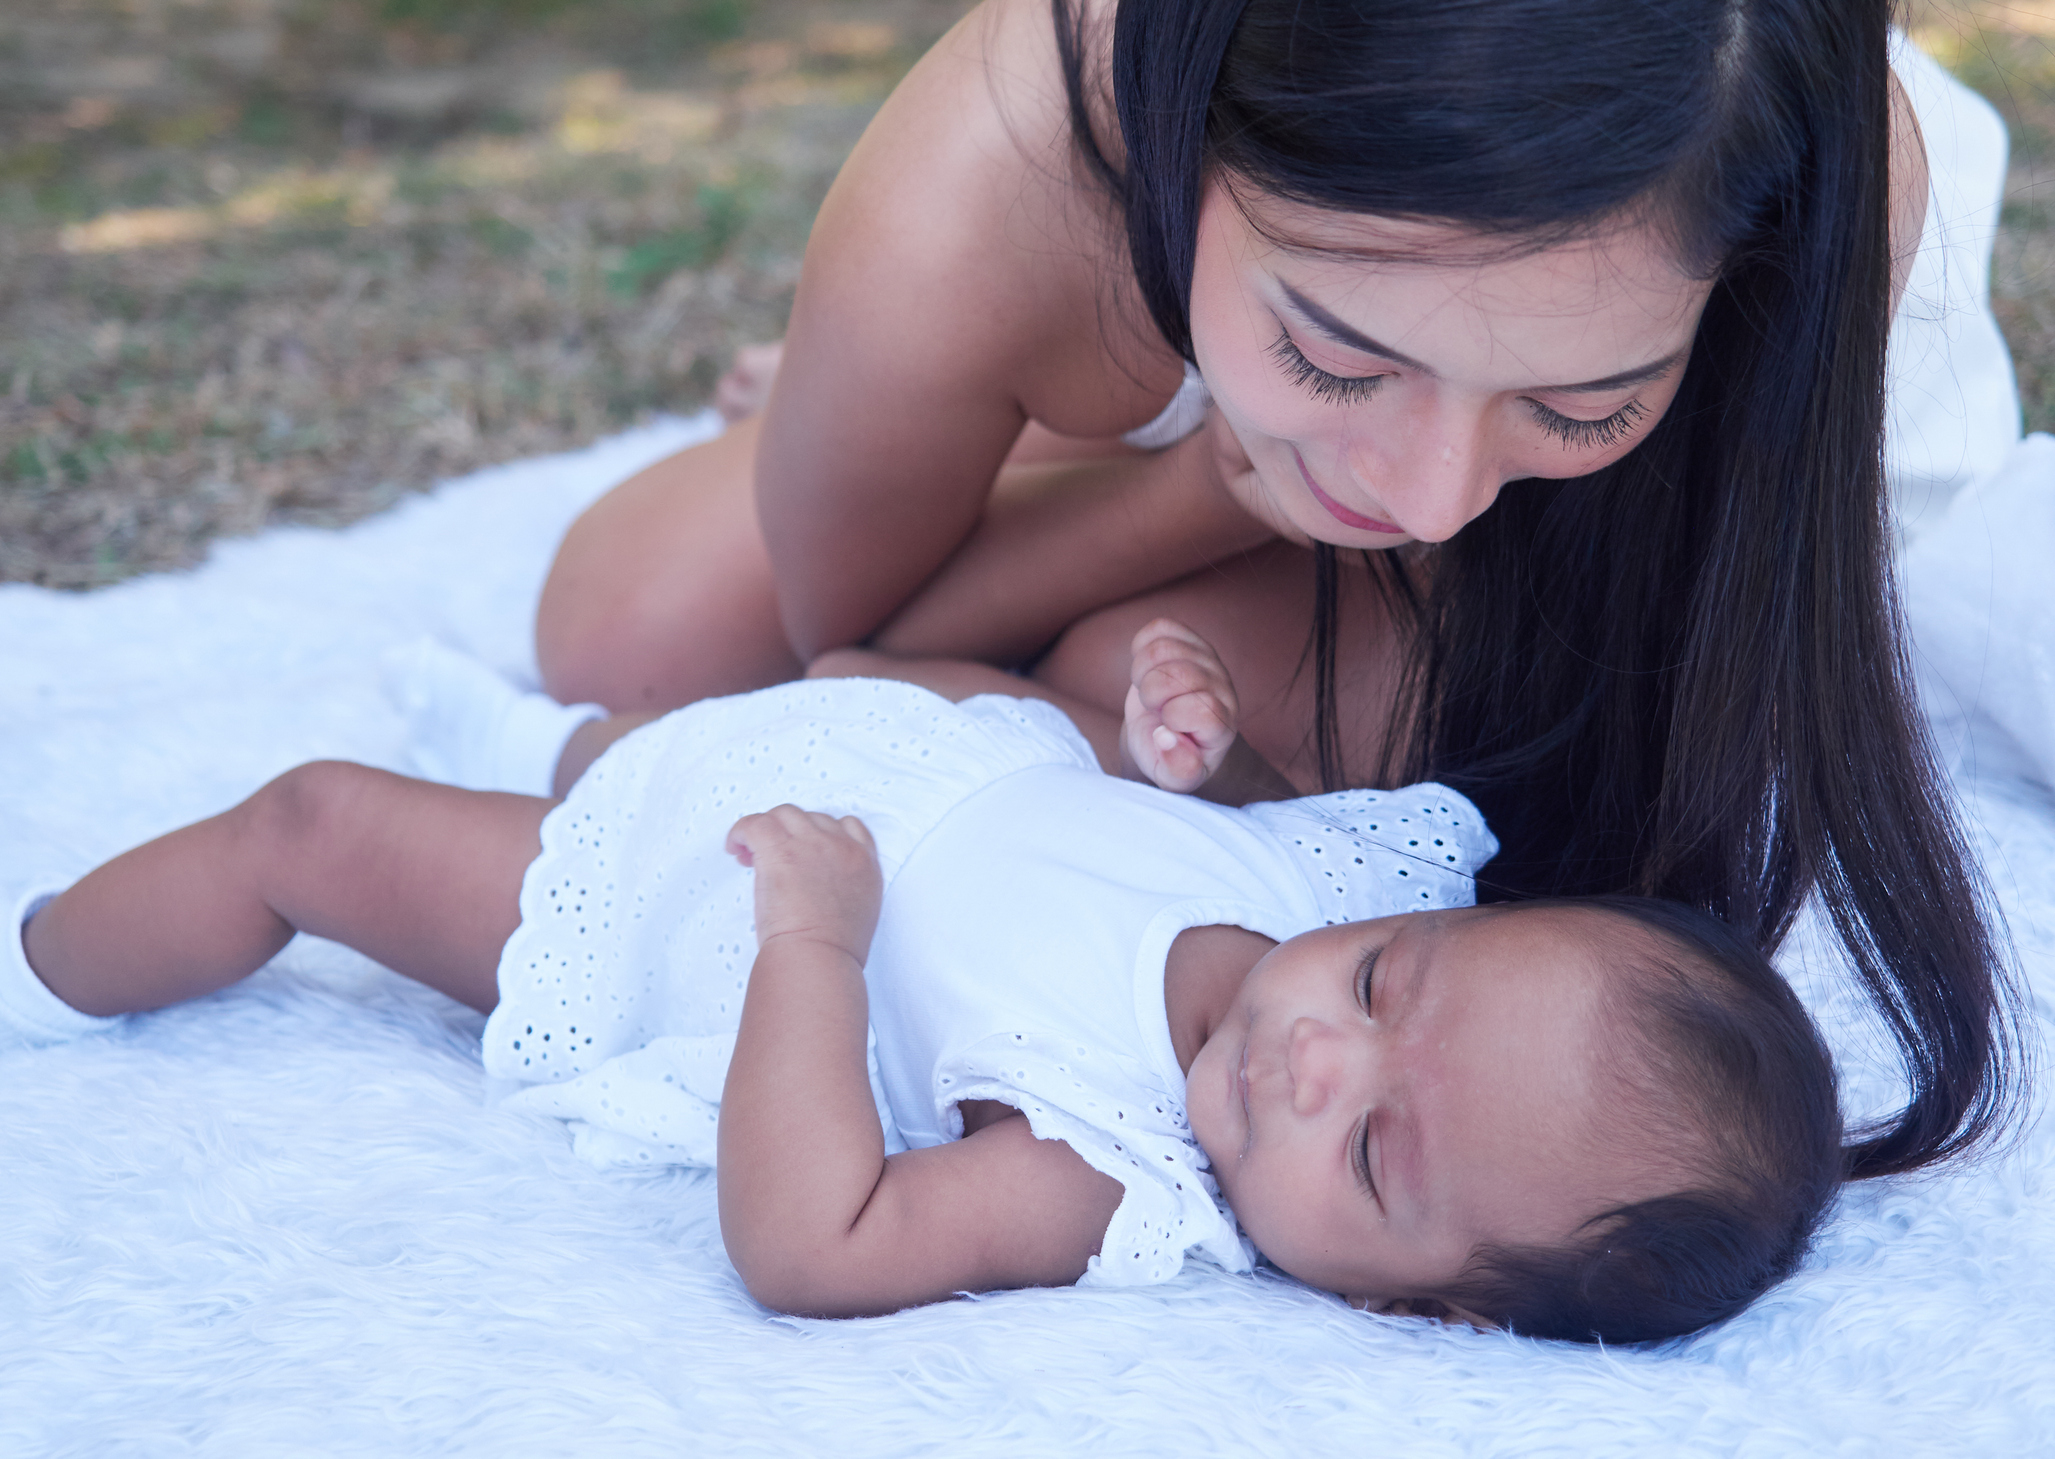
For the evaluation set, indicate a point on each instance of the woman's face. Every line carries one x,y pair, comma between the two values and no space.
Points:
1386,399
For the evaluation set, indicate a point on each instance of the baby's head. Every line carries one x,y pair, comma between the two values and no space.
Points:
1605,1119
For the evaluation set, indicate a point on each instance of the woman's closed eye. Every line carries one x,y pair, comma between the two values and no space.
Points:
1584,435
1335,389
1578,435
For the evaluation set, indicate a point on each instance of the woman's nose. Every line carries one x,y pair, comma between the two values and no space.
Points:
1325,1064
1434,474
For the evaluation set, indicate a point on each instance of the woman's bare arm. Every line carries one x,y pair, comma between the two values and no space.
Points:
1058,541
963,279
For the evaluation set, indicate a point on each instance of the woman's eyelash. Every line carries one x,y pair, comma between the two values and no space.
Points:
1335,389
1582,435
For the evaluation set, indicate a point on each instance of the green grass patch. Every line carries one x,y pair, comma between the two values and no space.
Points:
724,211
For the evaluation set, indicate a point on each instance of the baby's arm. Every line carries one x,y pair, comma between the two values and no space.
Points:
814,1215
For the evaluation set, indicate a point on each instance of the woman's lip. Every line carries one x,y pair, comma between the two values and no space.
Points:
1339,512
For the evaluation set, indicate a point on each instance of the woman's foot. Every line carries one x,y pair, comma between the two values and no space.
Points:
473,729
746,388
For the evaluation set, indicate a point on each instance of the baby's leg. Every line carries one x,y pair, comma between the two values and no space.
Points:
424,878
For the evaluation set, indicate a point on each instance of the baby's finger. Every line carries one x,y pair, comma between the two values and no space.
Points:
854,828
1170,649
1179,766
743,838
1199,715
1167,630
756,833
1167,682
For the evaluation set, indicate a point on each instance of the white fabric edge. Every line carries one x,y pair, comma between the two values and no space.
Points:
1185,414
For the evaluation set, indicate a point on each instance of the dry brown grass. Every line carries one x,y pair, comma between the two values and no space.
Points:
268,260
228,304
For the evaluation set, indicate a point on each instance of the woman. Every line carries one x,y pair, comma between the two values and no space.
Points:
1545,340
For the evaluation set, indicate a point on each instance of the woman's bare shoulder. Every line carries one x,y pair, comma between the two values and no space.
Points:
968,241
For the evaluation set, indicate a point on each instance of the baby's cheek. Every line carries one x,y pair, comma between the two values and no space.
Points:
1204,1114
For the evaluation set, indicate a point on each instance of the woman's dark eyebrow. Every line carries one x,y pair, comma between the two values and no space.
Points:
1626,379
1341,332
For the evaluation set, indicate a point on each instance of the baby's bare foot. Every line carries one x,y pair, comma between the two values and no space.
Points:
746,388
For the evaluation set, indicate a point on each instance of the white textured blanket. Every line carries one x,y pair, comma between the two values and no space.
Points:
284,1221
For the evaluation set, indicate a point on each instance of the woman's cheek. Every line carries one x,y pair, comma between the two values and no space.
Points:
1259,487
1262,403
1266,415
1550,459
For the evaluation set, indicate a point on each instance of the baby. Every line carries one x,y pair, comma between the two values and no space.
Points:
983,1015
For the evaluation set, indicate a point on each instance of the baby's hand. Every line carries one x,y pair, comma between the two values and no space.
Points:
1181,711
816,877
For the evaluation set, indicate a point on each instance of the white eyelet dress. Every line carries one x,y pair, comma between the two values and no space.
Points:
1030,904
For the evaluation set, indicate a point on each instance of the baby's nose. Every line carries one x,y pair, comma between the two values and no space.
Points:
1319,1061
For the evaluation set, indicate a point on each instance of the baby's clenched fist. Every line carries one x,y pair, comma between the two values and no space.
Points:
1182,716
817,877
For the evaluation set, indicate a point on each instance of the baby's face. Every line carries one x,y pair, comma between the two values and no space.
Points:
1383,1096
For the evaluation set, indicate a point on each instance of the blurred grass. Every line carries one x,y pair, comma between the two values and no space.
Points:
2006,51
285,260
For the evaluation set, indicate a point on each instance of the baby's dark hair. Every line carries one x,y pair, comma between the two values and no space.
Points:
1729,1072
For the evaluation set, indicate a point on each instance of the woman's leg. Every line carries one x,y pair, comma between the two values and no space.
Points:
661,593
424,878
588,742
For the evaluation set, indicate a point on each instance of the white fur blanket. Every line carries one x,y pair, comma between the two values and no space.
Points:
283,1220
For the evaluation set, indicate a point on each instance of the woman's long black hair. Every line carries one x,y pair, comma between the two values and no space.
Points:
1683,675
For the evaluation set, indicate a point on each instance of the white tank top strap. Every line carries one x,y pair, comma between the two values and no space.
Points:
1185,414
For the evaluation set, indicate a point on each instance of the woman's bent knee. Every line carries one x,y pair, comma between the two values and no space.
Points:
662,593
